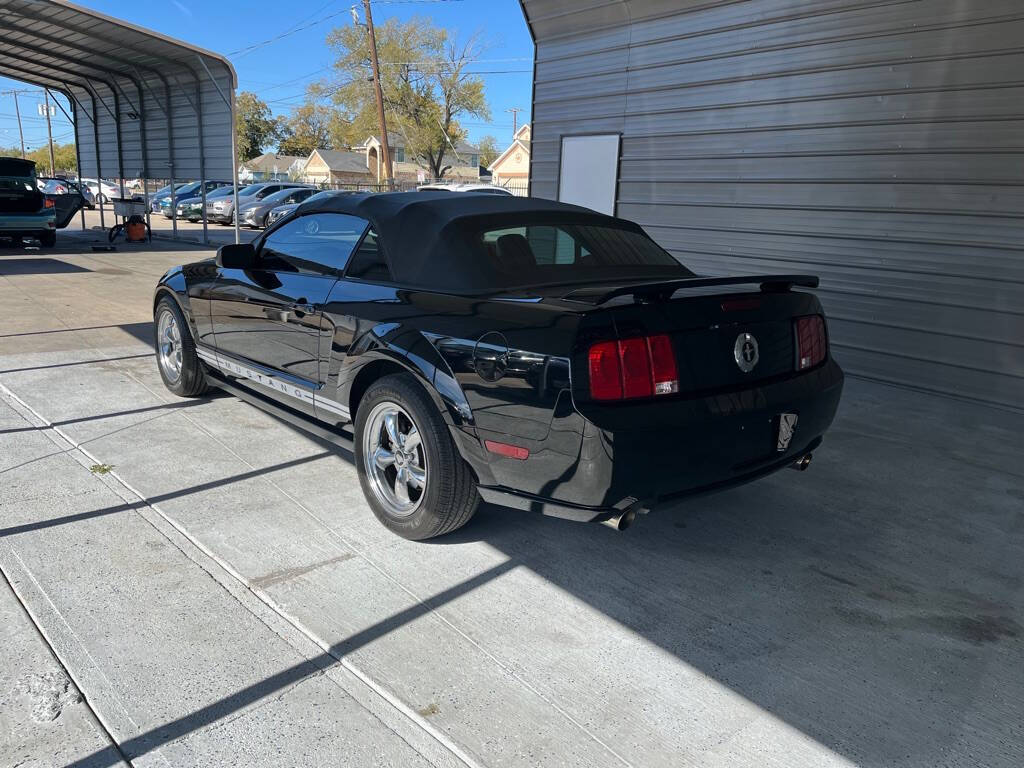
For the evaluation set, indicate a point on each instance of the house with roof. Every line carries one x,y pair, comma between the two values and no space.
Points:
332,166
464,160
270,167
513,165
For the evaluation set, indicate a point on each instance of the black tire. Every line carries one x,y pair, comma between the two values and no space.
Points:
191,381
48,238
450,497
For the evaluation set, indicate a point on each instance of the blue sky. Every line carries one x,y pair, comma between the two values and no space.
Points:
279,71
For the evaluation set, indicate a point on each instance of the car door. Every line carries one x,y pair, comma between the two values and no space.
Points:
267,321
66,198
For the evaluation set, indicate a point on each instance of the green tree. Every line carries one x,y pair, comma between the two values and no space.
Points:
426,84
308,128
254,125
63,155
489,150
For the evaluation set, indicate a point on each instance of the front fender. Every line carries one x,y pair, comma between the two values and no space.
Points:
173,284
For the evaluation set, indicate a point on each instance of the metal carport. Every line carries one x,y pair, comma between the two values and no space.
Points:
143,105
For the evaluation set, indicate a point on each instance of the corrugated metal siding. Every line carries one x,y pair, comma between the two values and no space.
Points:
879,145
156,90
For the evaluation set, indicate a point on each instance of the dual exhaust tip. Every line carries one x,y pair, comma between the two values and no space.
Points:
620,521
801,464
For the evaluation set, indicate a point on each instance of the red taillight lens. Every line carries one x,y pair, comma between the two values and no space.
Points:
605,371
663,365
811,342
638,367
48,203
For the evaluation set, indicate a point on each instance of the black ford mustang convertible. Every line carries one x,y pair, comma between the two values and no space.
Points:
534,354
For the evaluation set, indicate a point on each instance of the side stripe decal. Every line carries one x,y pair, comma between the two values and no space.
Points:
234,368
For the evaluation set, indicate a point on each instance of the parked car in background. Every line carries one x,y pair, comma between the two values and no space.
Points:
278,213
488,189
191,208
222,210
103,191
255,214
189,191
164,193
525,352
26,210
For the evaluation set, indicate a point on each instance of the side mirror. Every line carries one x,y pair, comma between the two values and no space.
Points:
236,256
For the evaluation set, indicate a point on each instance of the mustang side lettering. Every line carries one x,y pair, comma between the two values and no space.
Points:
530,353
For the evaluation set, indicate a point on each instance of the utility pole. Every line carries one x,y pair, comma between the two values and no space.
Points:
21,134
49,130
385,150
515,119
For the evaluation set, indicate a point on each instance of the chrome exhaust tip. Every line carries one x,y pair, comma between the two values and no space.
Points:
801,464
621,520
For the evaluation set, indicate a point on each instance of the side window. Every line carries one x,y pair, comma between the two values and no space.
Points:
368,263
319,243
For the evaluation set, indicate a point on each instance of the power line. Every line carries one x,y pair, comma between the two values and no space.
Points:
255,46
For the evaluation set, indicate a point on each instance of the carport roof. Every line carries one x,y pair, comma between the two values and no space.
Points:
145,104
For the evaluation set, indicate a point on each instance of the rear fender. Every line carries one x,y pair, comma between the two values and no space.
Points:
410,350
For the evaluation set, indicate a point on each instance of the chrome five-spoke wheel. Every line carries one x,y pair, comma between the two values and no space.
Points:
394,459
168,339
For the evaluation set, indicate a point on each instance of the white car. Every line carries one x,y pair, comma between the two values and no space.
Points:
490,189
104,191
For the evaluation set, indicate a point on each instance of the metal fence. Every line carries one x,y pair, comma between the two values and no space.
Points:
518,187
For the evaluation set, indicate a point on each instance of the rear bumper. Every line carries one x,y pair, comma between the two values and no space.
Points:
672,449
17,223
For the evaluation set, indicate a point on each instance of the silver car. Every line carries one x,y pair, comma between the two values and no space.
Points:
276,214
255,214
222,210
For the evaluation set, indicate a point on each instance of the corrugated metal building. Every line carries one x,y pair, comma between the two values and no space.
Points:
877,144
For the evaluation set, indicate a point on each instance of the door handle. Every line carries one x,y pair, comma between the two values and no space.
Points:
303,306
276,313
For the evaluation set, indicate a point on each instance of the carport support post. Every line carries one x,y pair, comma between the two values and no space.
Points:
78,155
96,139
170,154
120,156
234,166
234,147
202,156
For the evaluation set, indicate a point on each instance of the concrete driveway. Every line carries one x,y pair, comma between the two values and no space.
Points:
213,584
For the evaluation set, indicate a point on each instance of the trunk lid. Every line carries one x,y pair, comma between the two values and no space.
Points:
727,334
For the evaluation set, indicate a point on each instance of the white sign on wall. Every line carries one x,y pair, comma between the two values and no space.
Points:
589,173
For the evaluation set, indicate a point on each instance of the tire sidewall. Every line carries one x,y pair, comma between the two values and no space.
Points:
403,391
192,379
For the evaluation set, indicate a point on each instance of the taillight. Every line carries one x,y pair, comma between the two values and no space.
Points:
811,341
48,203
663,365
643,366
605,371
636,368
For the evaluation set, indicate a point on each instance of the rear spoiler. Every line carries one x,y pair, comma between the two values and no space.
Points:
663,290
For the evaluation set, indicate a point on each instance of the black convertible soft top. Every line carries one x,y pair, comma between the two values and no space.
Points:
427,237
